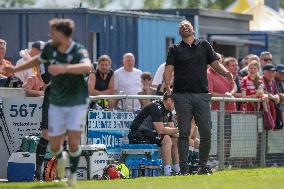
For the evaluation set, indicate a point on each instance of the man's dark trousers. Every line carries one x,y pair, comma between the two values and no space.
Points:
188,105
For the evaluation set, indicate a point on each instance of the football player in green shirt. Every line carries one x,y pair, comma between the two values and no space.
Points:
67,62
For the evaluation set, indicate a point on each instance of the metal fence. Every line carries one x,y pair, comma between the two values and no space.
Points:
238,138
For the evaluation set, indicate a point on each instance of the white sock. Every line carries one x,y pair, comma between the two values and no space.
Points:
55,153
196,150
176,168
191,148
167,170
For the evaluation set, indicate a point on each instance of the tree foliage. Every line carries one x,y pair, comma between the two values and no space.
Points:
218,4
97,3
153,4
282,4
213,4
186,3
16,3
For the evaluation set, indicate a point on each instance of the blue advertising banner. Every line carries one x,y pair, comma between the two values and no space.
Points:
109,128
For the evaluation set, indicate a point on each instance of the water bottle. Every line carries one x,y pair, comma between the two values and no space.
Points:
130,167
135,170
148,168
141,168
159,167
154,168
151,167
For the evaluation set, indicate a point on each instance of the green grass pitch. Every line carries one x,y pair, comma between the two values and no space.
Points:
262,178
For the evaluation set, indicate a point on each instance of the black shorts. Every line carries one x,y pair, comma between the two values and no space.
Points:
145,138
45,105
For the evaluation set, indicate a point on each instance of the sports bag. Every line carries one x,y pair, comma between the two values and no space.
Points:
50,170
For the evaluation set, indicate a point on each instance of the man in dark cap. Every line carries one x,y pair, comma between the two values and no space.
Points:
269,72
38,45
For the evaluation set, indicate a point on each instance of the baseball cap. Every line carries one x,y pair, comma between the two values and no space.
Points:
38,45
269,67
280,68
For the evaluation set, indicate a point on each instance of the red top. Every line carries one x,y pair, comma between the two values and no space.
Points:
220,84
248,85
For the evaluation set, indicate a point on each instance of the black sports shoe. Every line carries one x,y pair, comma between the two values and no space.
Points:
204,170
184,174
38,177
193,169
173,173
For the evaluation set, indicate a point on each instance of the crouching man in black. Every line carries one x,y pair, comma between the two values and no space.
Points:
154,125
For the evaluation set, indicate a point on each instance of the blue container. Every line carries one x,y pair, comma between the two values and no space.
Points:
21,166
145,167
20,171
139,151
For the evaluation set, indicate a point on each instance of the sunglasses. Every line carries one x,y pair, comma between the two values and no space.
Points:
267,59
144,79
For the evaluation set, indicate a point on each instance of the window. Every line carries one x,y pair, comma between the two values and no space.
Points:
93,46
169,42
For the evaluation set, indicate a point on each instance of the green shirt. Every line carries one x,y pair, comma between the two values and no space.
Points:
66,89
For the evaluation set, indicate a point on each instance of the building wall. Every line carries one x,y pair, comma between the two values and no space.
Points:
210,21
9,27
19,28
102,32
221,25
117,35
152,36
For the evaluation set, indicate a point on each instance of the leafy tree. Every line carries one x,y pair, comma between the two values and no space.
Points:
153,4
282,4
97,3
213,4
15,3
193,3
217,4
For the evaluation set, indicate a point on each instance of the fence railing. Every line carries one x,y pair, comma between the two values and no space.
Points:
238,138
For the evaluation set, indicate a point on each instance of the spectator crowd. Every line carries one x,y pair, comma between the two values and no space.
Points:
254,77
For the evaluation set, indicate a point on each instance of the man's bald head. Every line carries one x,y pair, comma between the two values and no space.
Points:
128,61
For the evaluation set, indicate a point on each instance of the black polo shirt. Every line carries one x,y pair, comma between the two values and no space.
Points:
153,112
190,65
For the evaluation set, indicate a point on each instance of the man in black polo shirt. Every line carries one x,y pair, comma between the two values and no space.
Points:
189,59
154,125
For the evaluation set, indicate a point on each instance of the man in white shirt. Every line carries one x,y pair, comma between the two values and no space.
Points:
27,54
158,78
127,80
